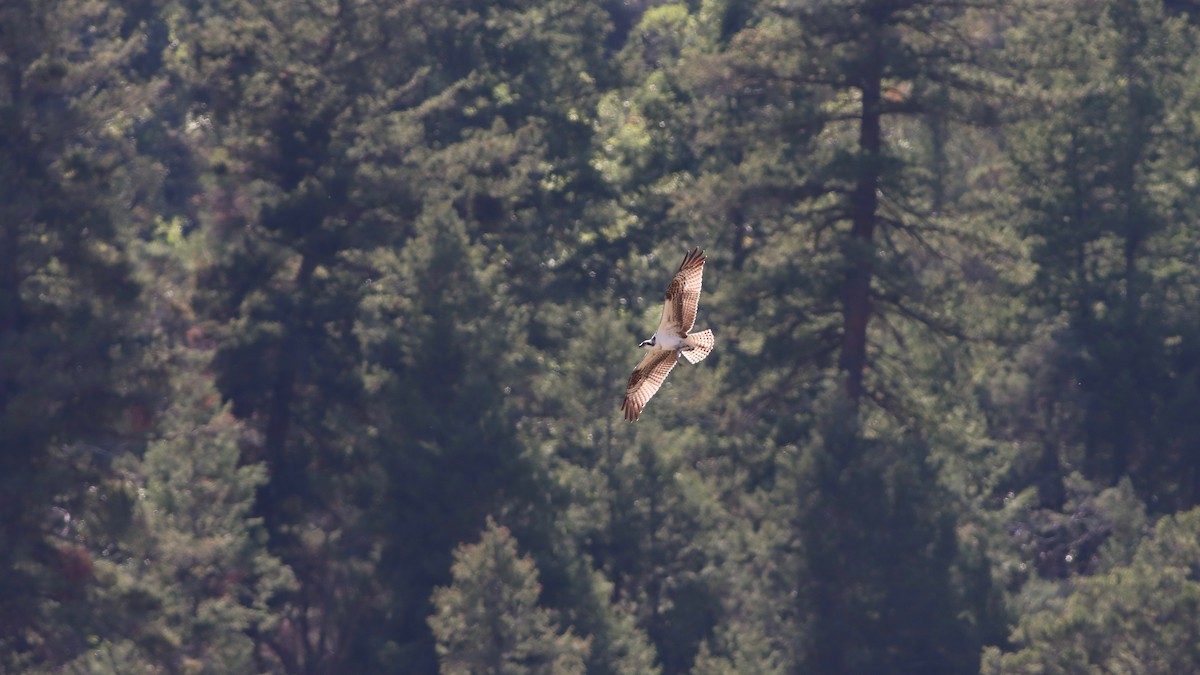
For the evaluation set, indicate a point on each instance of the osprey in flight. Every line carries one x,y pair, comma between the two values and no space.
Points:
672,337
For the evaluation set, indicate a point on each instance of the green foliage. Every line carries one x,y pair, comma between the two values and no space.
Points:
864,498
1133,618
442,345
488,620
295,296
593,539
1101,171
68,356
191,581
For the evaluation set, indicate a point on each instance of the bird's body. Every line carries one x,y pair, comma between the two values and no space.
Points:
667,341
672,338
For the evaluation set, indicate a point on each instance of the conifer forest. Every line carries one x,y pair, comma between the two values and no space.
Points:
316,317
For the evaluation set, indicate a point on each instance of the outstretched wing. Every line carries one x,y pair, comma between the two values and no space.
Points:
683,295
645,381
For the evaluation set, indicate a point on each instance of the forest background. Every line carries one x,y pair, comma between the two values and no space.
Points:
315,317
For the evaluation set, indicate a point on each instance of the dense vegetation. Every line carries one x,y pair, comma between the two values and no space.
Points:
315,317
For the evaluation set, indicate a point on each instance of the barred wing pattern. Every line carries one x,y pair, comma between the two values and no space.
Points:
646,380
683,295
702,345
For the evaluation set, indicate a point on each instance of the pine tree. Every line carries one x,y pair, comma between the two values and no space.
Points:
878,551
335,137
488,620
445,363
69,103
586,536
808,130
1136,617
1098,158
191,587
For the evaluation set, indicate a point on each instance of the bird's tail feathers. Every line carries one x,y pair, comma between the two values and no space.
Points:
702,343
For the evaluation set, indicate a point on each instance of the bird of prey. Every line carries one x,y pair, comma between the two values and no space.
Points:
672,337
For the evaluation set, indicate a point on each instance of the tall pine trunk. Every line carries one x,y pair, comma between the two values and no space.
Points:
860,250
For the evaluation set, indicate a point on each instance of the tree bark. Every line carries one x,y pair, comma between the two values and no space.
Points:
860,249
